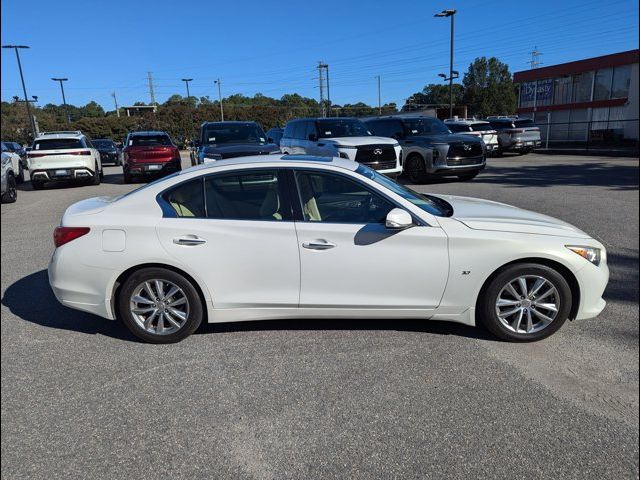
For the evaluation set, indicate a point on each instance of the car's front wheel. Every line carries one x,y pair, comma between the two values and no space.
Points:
416,170
11,195
159,305
525,302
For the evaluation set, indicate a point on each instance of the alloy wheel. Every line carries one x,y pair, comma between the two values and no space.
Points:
528,304
159,307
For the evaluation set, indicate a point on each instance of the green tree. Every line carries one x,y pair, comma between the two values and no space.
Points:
488,88
433,94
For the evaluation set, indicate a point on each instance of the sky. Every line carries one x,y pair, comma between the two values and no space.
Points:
273,47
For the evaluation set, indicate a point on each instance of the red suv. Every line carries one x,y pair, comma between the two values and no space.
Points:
149,154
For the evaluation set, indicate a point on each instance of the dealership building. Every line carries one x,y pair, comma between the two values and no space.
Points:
592,101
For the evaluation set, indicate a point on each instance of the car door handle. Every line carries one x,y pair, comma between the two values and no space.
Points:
319,244
190,240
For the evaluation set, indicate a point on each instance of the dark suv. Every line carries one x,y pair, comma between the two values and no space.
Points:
430,149
149,154
220,140
108,150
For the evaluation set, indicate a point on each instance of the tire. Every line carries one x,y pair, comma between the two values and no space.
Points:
137,286
415,169
467,177
96,176
497,288
11,195
127,178
36,185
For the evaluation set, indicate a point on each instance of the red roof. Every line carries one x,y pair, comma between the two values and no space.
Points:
579,66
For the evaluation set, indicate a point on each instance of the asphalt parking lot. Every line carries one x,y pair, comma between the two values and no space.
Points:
81,398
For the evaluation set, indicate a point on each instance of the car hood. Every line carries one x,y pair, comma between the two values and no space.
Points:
444,138
240,149
358,141
481,214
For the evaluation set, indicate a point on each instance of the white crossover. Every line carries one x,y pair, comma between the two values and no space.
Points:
63,156
269,237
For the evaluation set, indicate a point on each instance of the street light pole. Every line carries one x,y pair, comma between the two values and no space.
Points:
64,100
220,99
24,88
450,13
186,82
379,98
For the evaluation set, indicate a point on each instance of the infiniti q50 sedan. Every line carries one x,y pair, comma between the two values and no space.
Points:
259,238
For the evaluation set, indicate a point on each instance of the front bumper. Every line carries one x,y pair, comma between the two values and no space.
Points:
593,281
458,166
109,157
53,174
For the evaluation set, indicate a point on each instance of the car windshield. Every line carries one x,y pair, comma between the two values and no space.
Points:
103,144
149,140
430,204
425,126
349,127
58,144
234,133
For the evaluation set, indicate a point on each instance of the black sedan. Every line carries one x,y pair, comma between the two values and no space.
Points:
108,151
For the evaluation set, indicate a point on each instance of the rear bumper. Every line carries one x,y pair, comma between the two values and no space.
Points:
520,145
53,174
151,168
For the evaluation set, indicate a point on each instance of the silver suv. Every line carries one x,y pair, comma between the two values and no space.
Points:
516,134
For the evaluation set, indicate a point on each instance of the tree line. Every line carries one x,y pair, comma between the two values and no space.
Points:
486,89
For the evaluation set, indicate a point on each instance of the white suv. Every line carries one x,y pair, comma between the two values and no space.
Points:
477,128
347,138
63,156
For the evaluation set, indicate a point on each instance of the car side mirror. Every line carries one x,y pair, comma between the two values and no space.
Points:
313,137
398,219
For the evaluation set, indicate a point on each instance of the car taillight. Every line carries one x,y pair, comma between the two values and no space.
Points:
81,152
176,154
62,235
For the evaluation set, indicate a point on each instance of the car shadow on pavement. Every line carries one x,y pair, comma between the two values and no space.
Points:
623,283
48,312
614,176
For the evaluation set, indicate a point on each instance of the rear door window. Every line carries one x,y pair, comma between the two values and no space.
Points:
58,144
186,199
254,195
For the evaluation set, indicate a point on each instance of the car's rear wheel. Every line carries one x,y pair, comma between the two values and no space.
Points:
37,185
11,195
96,175
128,178
159,305
525,302
416,169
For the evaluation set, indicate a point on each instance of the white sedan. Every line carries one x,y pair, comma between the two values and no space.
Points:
259,238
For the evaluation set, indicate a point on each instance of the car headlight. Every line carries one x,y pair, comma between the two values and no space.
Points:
592,254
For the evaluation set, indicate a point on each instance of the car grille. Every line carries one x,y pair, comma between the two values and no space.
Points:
378,157
464,150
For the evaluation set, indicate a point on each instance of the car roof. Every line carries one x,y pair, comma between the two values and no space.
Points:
466,122
285,160
230,122
148,132
61,134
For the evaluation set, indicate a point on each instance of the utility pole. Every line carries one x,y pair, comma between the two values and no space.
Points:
32,122
115,101
535,58
322,69
64,100
379,97
186,82
450,13
152,95
219,83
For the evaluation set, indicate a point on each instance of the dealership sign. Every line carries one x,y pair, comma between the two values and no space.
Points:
544,91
